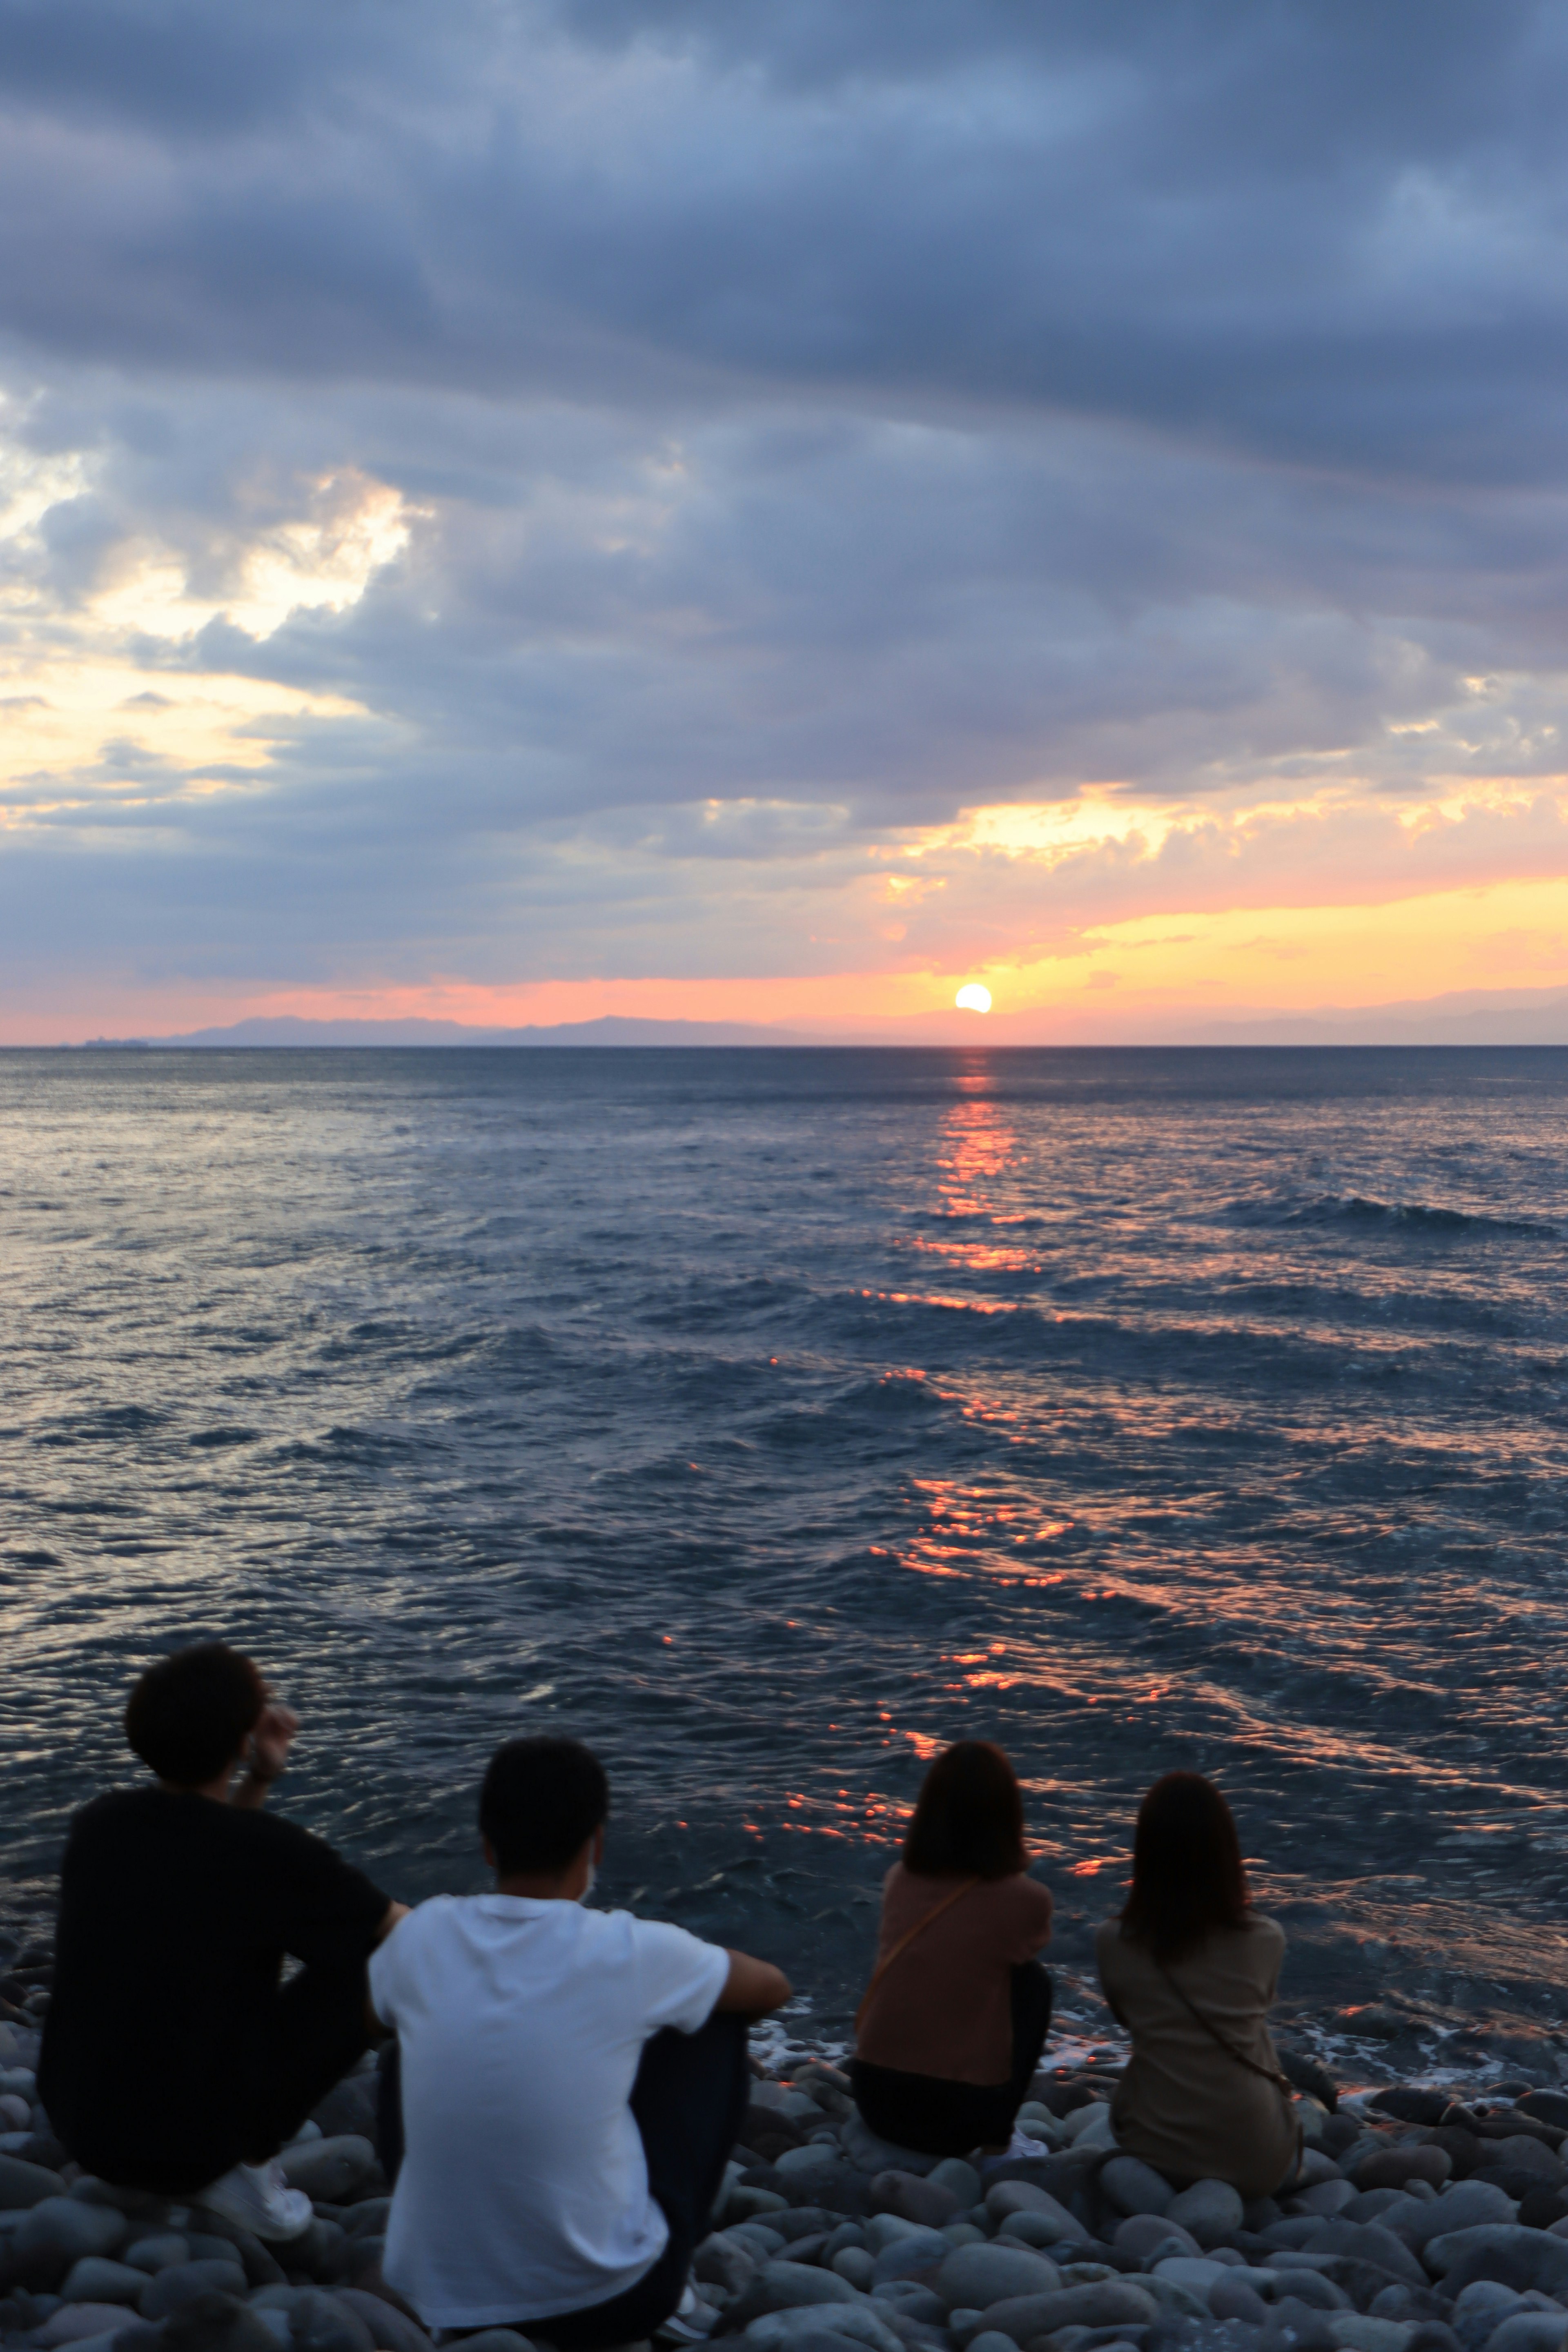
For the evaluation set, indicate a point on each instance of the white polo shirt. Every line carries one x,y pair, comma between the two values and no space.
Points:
521,2023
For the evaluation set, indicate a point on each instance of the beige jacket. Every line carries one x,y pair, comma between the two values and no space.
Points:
1184,2106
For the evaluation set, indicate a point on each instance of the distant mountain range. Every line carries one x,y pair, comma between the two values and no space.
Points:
613,1029
1467,1017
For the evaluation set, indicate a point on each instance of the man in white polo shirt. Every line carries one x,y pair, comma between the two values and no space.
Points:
573,2081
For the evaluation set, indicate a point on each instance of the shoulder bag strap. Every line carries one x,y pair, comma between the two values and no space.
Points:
1269,2073
906,1939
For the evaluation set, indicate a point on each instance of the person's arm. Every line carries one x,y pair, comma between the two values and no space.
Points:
752,1988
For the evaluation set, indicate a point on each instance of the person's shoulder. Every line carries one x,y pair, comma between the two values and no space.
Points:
650,1935
1109,1941
1267,1931
1027,1895
115,1805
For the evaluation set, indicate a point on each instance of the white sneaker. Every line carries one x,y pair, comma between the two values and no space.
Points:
691,2321
1018,2149
258,2199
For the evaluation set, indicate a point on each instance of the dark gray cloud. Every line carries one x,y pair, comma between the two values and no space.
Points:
1327,234
810,421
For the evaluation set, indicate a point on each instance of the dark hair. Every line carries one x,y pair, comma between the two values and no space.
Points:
1187,1872
969,1820
192,1713
541,1801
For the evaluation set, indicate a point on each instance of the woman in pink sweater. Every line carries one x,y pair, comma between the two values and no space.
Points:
956,2017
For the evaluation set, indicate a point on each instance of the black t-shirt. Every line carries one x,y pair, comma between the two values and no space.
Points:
175,1914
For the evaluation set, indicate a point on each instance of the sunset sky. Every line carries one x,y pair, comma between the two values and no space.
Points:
516,511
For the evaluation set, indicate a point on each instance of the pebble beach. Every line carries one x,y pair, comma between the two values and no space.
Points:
1431,2215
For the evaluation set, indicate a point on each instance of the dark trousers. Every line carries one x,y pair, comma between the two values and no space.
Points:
199,2129
318,2029
936,2117
689,2101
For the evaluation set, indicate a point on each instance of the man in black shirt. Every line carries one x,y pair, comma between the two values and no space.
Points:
175,2058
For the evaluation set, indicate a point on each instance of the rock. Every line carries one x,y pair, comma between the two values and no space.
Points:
22,2184
870,2153
991,2339
212,2234
1391,2167
1134,2187
1546,2107
1314,2288
1103,2302
161,2254
349,2109
788,2286
1292,2327
855,2264
859,2320
1144,2233
1431,2335
817,2156
1412,2302
979,2276
1316,2164
954,2173
56,2232
1368,2241
1209,2211
1231,2297
914,2198
1471,2204
320,2322
720,2261
1308,2077
497,2339
911,2256
882,2229
167,2289
1521,2153
1531,2331
1362,2333
1480,2308
94,2279
1504,2250
390,2330
1195,2272
1461,2145
214,2321
1036,2230
323,2250
915,2301
1409,2103
77,2323
328,2169
1325,2196
1008,2197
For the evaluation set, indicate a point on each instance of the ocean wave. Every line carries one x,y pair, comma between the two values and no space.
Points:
1421,1220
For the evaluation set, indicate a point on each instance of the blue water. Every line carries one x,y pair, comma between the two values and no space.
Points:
769,1418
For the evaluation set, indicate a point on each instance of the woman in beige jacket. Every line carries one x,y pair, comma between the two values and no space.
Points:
1190,1969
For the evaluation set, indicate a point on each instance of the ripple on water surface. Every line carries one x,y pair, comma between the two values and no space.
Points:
771,1418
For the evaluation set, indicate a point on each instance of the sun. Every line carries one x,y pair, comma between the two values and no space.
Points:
973,998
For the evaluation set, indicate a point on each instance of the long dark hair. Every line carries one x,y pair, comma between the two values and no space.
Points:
969,1820
1187,1872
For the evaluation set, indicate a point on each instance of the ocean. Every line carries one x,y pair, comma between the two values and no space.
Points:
769,1418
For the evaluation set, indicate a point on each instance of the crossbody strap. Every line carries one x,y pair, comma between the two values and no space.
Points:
1269,2073
906,1939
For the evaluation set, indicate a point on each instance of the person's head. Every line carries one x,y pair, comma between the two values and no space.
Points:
968,1821
541,1803
190,1716
1187,1872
